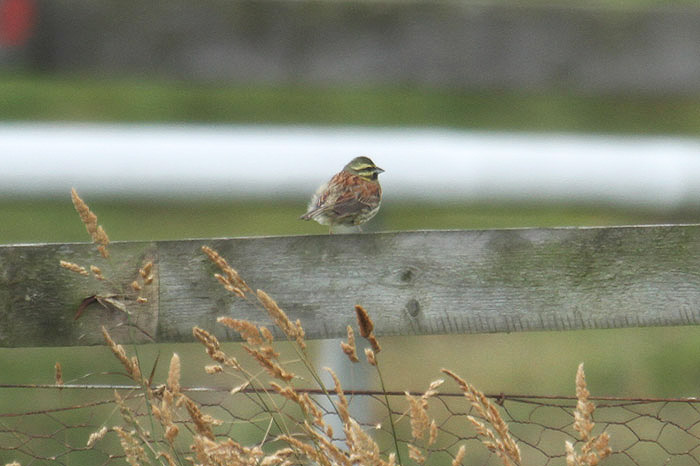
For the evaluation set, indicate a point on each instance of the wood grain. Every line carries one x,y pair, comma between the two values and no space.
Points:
422,282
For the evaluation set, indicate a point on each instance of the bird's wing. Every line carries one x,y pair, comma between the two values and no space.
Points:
359,195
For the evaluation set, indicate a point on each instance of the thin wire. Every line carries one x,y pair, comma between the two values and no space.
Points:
499,397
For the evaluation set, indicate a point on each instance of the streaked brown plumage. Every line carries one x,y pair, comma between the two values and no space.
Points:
351,197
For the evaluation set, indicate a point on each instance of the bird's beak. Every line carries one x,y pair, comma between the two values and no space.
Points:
379,170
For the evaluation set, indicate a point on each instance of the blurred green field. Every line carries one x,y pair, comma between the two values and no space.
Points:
78,98
39,220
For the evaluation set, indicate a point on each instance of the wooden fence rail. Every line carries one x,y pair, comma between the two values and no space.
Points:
421,282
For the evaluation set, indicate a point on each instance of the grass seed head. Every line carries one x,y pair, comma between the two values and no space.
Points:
432,437
583,423
415,454
459,457
201,422
134,452
58,373
213,369
418,414
96,436
89,219
131,365
97,272
230,275
371,357
349,348
501,442
173,382
247,330
363,321
73,267
168,458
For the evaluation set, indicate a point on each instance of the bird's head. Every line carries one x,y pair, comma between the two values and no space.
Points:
363,167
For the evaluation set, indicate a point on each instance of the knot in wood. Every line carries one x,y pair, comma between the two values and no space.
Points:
413,307
407,275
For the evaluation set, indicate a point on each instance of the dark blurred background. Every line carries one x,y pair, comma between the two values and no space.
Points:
178,119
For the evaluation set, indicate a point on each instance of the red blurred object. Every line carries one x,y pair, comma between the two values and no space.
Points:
17,19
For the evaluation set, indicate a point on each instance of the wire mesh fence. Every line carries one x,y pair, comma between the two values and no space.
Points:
50,424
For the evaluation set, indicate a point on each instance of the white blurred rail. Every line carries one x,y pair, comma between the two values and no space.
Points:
420,162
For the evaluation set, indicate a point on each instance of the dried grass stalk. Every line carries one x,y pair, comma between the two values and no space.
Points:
226,452
343,407
230,278
239,388
173,382
310,451
415,454
73,267
213,369
97,272
168,458
270,365
501,442
349,348
145,271
459,457
131,365
248,331
433,432
280,457
363,448
211,343
267,334
293,330
58,373
371,357
135,454
303,400
596,448
364,322
202,423
374,343
89,219
127,413
583,423
170,397
418,413
366,326
96,437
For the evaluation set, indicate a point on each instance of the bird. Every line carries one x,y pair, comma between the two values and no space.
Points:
351,197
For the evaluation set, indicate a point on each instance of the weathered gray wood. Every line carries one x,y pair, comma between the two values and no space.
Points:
423,282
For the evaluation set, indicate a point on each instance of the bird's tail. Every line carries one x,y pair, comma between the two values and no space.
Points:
310,215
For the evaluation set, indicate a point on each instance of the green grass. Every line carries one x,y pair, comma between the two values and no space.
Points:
75,98
54,220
